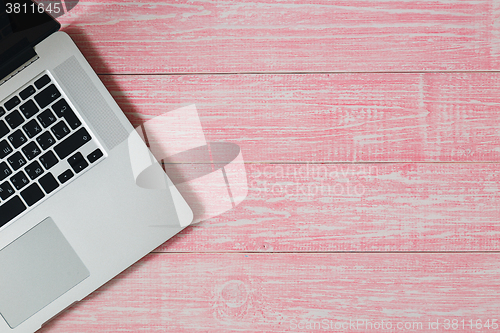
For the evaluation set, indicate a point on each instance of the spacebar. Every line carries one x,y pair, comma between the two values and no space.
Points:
10,209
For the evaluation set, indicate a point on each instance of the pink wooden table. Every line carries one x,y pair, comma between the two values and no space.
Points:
371,139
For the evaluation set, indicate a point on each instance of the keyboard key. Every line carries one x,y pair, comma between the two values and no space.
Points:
48,183
27,92
62,109
4,171
2,111
95,155
14,119
65,176
17,139
29,109
46,140
19,180
47,96
60,130
10,209
32,128
12,103
32,194
16,161
6,191
77,162
31,150
5,149
42,82
47,118
34,170
4,130
48,160
72,143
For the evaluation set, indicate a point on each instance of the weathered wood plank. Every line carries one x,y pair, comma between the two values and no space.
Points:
279,292
186,36
357,207
332,117
305,207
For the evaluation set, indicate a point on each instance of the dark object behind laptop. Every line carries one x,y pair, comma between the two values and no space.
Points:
21,27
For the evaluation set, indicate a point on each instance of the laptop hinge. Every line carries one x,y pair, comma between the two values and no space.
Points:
17,64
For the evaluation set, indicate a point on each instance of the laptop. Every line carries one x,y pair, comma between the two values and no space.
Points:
72,213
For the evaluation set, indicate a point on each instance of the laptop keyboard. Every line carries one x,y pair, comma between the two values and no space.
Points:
43,146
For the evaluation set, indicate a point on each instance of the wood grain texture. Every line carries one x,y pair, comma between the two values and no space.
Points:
357,207
279,292
186,36
356,117
316,146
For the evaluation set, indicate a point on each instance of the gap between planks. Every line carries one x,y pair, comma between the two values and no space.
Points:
295,73
322,252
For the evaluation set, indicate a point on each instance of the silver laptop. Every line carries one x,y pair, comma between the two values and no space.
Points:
72,213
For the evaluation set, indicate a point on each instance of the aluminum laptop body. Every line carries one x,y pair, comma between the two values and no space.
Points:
70,227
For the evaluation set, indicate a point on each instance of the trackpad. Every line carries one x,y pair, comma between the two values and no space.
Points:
36,269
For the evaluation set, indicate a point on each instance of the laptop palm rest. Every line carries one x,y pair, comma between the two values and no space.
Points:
36,269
